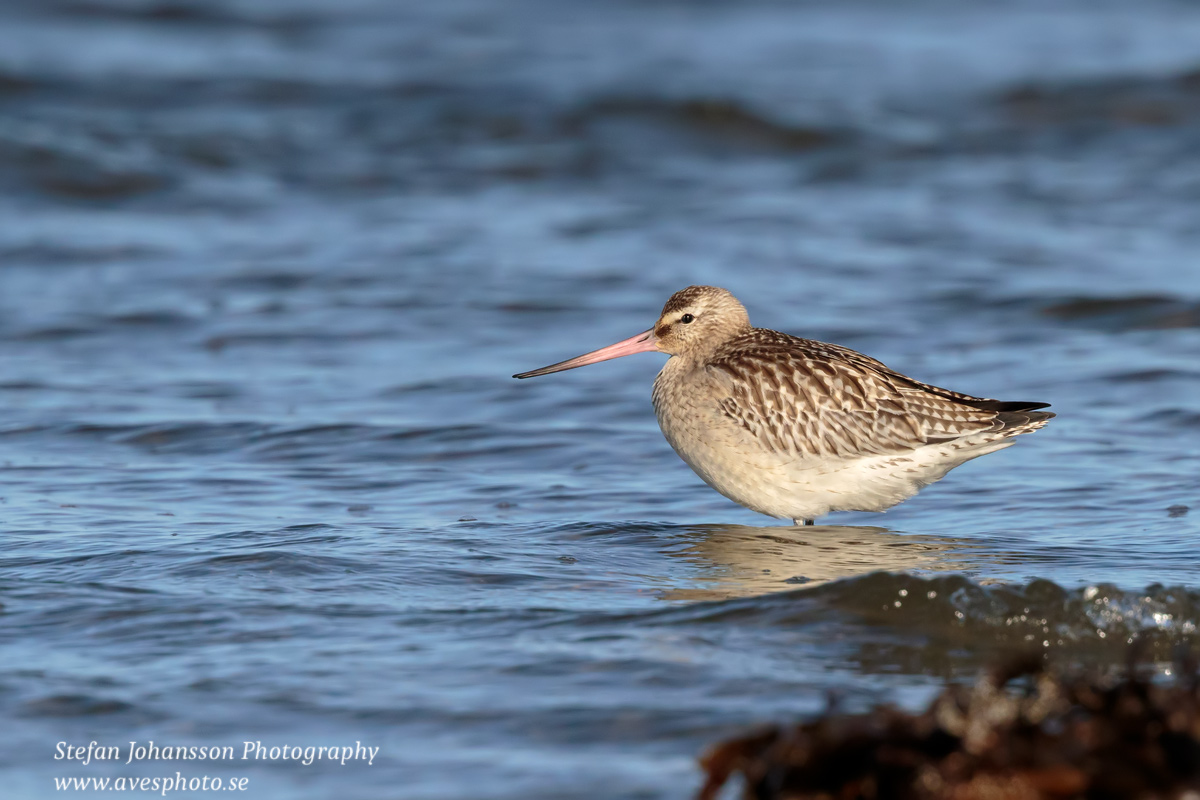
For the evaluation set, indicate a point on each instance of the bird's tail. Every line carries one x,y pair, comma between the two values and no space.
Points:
1018,421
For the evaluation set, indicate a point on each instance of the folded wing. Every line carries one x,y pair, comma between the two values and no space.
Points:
807,398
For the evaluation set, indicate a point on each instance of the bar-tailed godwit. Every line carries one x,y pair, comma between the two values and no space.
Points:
795,428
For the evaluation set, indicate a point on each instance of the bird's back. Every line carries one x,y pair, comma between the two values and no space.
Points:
826,400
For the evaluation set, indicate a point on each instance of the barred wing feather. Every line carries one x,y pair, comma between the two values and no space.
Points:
809,398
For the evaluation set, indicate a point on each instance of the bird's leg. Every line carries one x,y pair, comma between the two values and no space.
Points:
804,522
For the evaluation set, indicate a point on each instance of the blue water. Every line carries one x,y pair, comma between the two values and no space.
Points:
266,269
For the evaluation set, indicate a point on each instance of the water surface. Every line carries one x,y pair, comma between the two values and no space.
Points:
266,269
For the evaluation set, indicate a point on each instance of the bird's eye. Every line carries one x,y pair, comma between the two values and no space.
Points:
686,318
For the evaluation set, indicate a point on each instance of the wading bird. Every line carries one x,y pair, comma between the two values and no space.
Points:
795,428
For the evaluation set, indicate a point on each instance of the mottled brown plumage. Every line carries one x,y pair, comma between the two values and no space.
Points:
805,397
796,428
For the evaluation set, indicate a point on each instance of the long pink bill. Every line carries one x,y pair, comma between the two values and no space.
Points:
642,343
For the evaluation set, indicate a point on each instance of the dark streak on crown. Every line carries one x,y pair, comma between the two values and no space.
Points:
685,297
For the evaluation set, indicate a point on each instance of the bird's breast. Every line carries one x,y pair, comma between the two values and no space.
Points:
688,403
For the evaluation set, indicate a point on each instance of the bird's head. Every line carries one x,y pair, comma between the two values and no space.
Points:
694,322
698,319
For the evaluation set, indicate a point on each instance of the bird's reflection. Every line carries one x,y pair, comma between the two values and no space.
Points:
741,560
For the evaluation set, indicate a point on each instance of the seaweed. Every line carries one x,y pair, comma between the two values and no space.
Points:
1020,732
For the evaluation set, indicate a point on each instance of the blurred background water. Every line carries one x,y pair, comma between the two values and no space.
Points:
267,265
